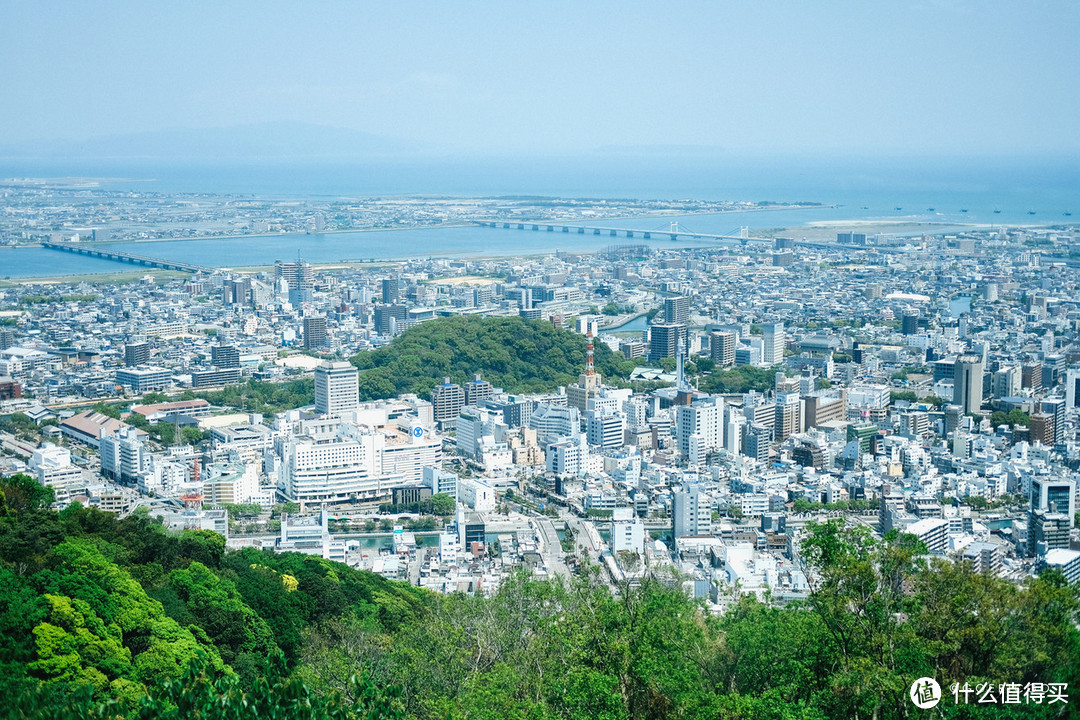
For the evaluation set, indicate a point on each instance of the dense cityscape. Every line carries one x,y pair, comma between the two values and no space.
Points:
561,361
681,414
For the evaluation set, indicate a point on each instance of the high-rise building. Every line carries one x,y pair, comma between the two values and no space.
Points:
1041,429
336,388
1072,389
1006,382
968,383
909,325
691,512
1055,407
604,429
1053,495
788,415
477,389
315,337
677,310
136,353
699,429
390,319
446,402
1047,531
665,339
391,290
773,346
298,277
1031,376
722,348
7,338
757,441
225,356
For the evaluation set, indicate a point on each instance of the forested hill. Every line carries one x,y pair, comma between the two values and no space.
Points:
518,355
106,618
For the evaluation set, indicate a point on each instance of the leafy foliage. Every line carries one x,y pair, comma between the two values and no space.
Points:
515,354
109,618
258,396
738,380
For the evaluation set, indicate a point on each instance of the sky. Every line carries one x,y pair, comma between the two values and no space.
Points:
513,77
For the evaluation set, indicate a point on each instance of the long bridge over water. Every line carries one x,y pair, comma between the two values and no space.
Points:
144,260
674,232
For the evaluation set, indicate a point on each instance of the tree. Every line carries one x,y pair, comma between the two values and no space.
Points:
203,691
858,589
442,504
21,493
1015,417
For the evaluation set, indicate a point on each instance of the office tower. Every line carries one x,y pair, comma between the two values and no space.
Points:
315,337
699,430
477,390
604,429
773,347
136,353
1006,382
968,383
1041,429
677,310
692,513
237,292
1055,408
1031,376
225,356
788,415
1072,389
757,441
1054,495
298,278
909,325
722,347
446,402
1047,531
665,339
390,319
336,388
391,290
7,338
440,481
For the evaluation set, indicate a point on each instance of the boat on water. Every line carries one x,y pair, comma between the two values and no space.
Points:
1031,212
929,209
963,209
996,211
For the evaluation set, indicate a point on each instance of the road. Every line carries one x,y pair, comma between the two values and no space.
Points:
551,547
16,446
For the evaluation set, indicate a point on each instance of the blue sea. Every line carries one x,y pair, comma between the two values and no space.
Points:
951,191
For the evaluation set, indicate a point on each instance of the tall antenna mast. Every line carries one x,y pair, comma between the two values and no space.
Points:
589,370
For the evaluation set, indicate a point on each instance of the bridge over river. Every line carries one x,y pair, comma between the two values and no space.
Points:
144,260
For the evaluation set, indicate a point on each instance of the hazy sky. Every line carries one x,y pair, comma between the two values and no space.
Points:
995,77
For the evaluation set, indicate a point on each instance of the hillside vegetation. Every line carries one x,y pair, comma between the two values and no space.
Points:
518,355
107,618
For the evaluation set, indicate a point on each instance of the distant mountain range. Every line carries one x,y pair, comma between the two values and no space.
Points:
263,141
